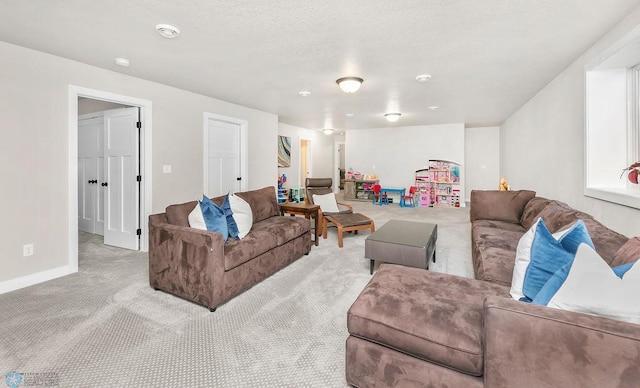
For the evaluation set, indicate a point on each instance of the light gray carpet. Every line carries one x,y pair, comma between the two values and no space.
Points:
105,327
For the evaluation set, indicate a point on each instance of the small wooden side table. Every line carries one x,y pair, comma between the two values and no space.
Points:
303,209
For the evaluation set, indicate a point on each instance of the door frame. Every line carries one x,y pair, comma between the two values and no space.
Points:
145,162
244,125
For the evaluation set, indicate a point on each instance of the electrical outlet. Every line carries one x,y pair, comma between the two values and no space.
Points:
166,169
27,250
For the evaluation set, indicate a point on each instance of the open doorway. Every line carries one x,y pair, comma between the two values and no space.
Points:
339,162
305,158
126,150
109,176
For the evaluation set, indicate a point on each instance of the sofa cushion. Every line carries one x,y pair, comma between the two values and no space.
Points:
606,241
499,205
179,214
499,225
257,242
627,253
558,215
532,210
431,316
284,228
494,253
263,202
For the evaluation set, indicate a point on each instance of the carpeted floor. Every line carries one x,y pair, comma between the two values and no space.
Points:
105,327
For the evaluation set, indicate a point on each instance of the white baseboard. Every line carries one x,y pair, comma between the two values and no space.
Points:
35,278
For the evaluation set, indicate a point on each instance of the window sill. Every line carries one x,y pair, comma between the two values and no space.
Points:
620,196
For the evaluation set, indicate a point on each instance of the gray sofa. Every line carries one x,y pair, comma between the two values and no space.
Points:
411,327
198,266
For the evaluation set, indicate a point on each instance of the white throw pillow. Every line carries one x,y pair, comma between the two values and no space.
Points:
523,258
327,202
196,219
241,214
593,288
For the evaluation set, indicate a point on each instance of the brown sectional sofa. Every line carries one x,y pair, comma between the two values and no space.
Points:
412,327
198,266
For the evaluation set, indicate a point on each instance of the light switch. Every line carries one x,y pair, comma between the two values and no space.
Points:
166,169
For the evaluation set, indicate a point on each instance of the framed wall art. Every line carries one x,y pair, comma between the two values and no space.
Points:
284,151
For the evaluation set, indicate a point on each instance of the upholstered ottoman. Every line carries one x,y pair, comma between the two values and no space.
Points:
413,327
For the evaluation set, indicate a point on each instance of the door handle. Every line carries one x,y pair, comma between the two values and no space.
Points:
239,178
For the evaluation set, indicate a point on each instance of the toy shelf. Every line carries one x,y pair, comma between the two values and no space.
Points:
359,189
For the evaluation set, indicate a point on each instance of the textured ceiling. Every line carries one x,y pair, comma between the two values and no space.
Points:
487,58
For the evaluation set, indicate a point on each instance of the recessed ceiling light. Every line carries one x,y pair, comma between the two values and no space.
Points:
167,31
349,114
433,107
423,78
392,117
328,131
124,62
304,93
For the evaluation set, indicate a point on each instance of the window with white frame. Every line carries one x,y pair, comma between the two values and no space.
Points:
612,122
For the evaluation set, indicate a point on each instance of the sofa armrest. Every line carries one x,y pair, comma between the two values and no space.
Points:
545,347
187,262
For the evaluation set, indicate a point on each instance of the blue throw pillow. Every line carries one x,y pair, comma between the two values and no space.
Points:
231,223
214,217
552,285
548,255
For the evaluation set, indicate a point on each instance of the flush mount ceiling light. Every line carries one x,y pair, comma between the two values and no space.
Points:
328,131
124,62
392,117
167,31
423,78
349,84
349,115
304,93
433,107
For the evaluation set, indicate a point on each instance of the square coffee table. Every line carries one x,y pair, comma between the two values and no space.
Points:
403,242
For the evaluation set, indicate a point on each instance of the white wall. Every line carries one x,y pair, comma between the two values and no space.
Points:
296,134
542,144
482,159
394,154
34,150
323,154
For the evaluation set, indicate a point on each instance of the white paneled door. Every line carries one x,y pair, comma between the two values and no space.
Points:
121,186
222,157
90,173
